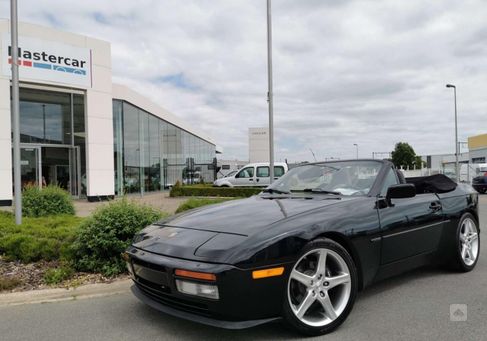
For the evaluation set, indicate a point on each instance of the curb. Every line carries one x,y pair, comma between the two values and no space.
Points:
61,294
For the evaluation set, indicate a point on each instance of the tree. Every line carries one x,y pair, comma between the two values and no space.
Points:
403,155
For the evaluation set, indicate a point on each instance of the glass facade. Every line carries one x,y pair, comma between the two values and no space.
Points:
52,136
152,154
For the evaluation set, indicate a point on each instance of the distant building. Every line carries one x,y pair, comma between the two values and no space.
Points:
477,146
259,144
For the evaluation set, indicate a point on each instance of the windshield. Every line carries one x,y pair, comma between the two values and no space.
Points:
339,178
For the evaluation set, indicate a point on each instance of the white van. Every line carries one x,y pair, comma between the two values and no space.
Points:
253,174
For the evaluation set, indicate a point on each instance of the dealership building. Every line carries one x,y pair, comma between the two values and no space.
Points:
80,131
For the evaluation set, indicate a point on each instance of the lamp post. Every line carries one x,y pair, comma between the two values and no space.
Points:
15,111
269,93
457,175
356,146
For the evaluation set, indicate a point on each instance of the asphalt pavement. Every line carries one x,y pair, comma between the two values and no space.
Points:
414,306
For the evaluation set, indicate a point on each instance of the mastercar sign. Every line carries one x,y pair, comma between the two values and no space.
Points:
48,62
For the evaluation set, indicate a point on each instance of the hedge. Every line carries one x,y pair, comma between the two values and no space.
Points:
49,201
202,191
44,238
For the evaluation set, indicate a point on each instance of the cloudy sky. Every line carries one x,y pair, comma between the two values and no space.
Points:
345,72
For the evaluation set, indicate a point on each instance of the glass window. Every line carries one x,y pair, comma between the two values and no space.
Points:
278,171
79,135
154,155
131,149
118,146
247,172
263,172
391,179
45,117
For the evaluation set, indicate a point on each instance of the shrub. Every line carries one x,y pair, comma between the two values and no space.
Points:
194,203
107,233
8,283
51,200
37,238
205,191
57,275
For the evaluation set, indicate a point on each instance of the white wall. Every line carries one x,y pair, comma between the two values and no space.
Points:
98,111
259,145
5,131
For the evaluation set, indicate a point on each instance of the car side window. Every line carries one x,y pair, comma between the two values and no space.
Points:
246,173
263,172
278,171
391,179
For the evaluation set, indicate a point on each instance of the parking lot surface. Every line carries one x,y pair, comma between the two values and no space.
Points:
425,304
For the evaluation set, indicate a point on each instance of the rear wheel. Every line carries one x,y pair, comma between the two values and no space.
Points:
467,243
322,287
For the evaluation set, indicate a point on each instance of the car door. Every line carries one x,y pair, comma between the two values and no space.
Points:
410,226
262,176
245,177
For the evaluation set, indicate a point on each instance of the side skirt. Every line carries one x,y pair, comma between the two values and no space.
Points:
401,266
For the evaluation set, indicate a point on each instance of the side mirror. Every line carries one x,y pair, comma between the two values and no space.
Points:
400,192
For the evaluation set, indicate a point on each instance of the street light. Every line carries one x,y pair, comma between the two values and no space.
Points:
14,43
269,93
356,146
457,175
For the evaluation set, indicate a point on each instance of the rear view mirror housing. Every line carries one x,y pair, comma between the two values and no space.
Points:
401,191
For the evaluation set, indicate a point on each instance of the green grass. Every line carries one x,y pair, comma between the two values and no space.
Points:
43,238
194,203
57,275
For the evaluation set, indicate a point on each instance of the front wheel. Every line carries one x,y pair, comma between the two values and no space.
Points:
321,289
467,243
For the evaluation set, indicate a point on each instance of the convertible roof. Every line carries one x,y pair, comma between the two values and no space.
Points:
438,183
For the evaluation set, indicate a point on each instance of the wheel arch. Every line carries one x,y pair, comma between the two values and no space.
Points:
345,242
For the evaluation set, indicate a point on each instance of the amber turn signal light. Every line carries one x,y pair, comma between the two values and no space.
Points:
196,275
268,272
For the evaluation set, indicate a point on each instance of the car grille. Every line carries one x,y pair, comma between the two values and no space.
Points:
164,294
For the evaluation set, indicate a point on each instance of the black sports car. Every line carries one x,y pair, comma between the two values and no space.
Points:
302,248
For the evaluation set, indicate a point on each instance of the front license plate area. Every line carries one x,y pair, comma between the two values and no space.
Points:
154,276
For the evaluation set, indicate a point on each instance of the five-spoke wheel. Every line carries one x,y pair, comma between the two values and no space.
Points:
468,243
321,287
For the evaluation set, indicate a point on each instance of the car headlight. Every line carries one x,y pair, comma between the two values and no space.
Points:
198,289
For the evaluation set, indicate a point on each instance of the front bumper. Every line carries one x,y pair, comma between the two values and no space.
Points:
243,303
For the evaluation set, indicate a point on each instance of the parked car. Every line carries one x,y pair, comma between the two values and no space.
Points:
253,174
480,183
301,249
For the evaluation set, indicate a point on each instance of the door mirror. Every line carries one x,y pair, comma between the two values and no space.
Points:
400,192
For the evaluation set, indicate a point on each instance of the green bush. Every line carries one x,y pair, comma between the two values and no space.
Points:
44,238
7,283
194,203
205,191
57,275
107,233
50,200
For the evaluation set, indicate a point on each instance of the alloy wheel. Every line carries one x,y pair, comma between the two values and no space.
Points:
319,287
469,241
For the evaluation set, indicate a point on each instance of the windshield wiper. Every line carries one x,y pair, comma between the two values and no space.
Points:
273,190
318,190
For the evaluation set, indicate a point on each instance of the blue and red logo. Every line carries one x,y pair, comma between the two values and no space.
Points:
43,60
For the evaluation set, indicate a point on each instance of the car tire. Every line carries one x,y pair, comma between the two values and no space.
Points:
467,244
330,302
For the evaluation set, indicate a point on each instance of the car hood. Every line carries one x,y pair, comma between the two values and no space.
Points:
208,232
251,215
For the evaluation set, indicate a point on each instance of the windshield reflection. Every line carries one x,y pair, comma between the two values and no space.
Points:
332,178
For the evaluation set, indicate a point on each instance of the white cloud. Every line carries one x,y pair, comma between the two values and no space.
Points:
366,72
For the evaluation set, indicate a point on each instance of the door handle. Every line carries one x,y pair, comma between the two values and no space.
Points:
257,180
435,206
251,179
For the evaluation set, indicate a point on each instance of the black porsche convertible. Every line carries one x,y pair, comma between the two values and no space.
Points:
302,248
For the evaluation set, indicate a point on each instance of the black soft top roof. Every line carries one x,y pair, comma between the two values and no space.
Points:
438,183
